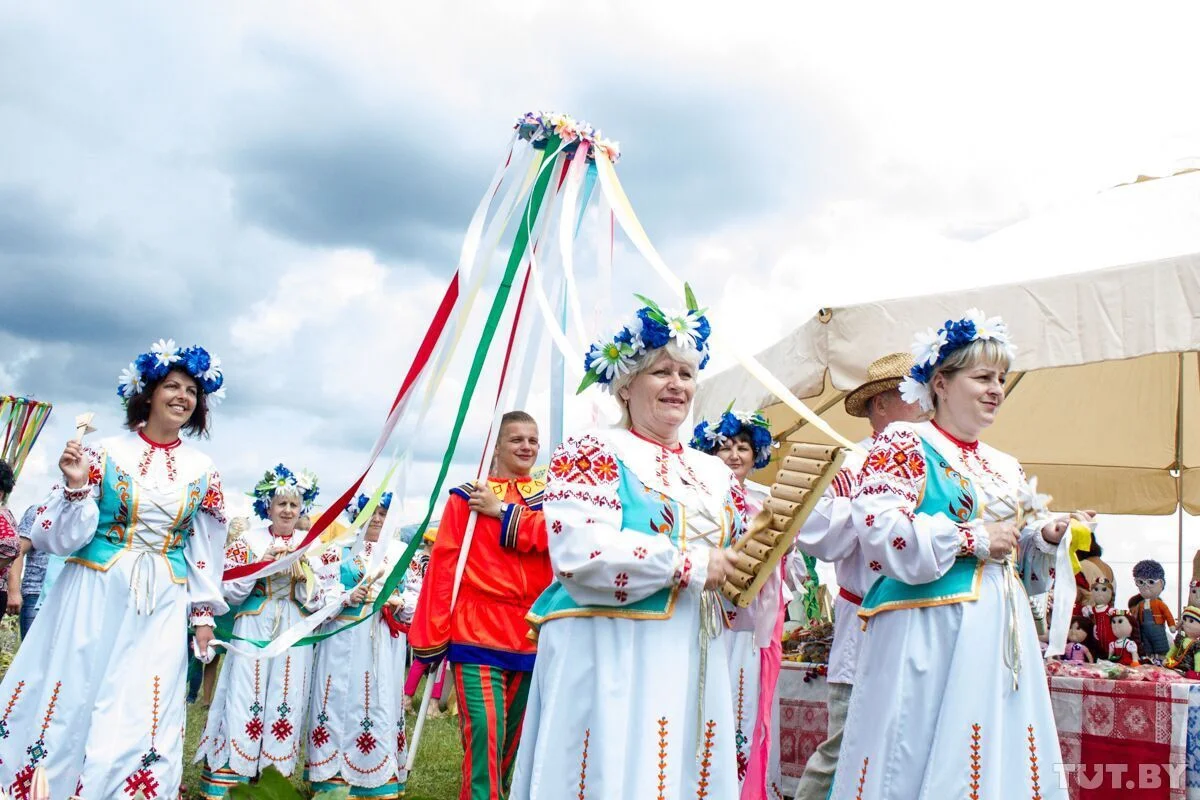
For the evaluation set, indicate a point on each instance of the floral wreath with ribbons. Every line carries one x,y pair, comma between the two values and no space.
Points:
933,347
355,507
650,329
536,127
709,437
164,356
282,480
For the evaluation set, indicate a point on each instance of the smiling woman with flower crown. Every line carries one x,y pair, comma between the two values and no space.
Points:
94,699
950,698
257,715
631,691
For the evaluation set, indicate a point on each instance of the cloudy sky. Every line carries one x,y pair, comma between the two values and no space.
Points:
288,184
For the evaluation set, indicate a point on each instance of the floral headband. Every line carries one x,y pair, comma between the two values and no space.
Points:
650,329
355,507
282,480
538,126
165,356
932,348
708,437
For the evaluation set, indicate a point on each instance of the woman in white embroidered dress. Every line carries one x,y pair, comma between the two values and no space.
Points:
631,689
257,716
355,714
95,695
743,442
951,698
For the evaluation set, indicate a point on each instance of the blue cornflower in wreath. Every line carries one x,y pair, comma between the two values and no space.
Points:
709,437
282,481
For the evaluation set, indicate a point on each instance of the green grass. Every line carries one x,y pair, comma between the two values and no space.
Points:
435,777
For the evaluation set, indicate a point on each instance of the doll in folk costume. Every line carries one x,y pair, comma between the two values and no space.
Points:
1152,615
1101,611
1081,641
1194,593
1123,649
1184,656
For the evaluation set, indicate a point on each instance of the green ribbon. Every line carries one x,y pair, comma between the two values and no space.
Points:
532,208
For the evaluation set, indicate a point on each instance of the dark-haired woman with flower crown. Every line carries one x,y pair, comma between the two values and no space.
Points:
257,715
950,698
93,703
743,442
630,695
355,725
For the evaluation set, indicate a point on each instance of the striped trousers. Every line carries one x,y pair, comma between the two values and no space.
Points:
491,707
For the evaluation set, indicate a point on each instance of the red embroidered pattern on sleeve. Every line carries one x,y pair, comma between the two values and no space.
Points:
557,494
75,495
967,546
843,483
739,499
213,503
898,454
237,554
584,460
684,574
202,614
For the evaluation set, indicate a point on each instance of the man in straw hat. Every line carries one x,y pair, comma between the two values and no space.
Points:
829,535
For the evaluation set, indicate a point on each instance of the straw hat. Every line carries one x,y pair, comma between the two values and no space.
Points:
883,375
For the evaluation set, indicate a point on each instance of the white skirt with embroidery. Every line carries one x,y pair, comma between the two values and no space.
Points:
257,715
744,676
614,712
96,691
934,714
356,714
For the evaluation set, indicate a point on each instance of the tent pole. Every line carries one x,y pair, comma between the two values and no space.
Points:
1179,575
1179,481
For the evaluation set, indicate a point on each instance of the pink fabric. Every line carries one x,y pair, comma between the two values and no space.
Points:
770,662
414,677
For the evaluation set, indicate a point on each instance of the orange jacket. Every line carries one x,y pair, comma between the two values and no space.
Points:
507,568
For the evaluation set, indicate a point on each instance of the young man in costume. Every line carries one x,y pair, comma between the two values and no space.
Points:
829,535
484,636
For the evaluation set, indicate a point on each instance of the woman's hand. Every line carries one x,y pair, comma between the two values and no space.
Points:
203,638
485,503
74,466
1054,530
720,565
357,596
1002,538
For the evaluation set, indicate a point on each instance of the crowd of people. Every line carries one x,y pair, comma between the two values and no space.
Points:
576,613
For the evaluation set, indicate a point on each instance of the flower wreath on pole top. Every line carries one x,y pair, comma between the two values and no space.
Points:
650,329
355,507
164,356
536,127
708,437
282,480
932,348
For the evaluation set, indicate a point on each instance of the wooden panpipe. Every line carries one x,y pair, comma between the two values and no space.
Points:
806,472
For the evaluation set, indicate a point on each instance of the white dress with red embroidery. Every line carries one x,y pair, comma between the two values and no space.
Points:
355,730
934,713
257,715
615,707
95,694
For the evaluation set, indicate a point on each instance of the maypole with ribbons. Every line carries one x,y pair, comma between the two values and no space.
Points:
22,420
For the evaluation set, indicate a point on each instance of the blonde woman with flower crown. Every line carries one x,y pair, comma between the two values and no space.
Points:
257,715
631,688
950,699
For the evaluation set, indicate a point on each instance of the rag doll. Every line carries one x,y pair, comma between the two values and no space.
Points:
1124,649
1101,611
1184,656
1081,643
1152,615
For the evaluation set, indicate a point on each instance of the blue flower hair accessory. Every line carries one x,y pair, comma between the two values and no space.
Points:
282,480
650,329
537,127
708,437
356,506
165,356
933,347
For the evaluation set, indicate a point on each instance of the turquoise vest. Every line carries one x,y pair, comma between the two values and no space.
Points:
644,511
118,521
951,494
351,574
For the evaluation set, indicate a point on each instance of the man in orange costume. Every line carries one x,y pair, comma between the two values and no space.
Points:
484,636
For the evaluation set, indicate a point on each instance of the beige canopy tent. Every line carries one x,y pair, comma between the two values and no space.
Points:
1104,396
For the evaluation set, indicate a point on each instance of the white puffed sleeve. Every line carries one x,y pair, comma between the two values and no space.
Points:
67,519
204,553
896,540
596,559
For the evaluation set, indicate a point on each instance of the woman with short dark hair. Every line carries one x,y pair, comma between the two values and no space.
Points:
94,700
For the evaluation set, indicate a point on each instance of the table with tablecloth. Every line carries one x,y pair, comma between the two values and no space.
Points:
1121,740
